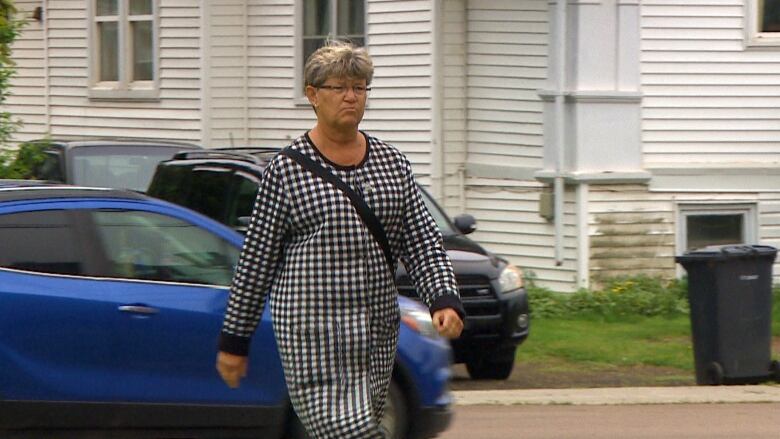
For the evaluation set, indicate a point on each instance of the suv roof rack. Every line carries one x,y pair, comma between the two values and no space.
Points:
247,154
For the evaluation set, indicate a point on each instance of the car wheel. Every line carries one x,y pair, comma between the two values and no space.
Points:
396,419
492,366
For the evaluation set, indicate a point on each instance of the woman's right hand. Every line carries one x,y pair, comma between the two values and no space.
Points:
232,368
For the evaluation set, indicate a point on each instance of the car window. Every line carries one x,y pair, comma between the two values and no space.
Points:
170,183
438,215
150,246
117,166
51,167
210,190
244,201
42,241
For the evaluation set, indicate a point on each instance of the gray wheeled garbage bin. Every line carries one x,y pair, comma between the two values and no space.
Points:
730,293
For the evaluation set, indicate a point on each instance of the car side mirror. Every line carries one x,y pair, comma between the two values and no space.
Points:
465,223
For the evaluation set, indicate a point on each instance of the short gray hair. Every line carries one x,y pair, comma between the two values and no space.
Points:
339,59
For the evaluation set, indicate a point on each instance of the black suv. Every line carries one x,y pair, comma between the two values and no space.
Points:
114,162
222,184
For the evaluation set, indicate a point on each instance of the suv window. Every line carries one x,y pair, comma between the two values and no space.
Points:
438,216
27,239
209,189
243,203
150,246
51,167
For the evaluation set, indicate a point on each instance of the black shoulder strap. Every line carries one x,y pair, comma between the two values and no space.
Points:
366,214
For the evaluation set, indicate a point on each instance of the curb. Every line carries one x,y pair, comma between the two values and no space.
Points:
621,395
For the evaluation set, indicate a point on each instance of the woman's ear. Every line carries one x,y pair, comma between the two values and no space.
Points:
311,95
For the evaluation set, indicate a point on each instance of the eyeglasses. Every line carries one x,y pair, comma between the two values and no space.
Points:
359,90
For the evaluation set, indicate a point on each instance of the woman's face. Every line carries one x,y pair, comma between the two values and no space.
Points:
339,102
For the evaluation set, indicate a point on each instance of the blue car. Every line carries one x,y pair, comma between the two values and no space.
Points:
110,307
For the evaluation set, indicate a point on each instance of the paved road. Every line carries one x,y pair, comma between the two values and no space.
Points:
662,421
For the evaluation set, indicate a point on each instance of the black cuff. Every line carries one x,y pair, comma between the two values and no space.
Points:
234,344
448,301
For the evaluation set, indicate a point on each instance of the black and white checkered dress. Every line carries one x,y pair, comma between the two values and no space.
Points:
333,300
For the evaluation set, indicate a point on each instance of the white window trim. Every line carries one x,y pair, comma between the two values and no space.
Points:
753,38
684,209
123,89
299,96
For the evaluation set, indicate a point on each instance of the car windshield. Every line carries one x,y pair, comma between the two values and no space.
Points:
126,167
438,215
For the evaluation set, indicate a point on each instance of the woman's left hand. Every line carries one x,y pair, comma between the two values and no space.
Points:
448,323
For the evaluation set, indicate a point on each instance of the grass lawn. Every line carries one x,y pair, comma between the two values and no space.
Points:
596,343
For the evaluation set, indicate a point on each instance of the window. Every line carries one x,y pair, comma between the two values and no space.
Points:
703,225
145,245
763,23
126,166
334,19
123,47
42,241
244,202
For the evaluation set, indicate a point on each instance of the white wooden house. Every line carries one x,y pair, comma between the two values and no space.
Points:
589,138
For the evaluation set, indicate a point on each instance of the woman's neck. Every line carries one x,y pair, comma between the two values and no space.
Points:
342,148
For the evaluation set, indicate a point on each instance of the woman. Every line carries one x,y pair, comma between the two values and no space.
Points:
333,299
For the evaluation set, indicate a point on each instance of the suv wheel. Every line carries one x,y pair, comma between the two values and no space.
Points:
495,365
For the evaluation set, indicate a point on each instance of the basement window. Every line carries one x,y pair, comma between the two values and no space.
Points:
702,225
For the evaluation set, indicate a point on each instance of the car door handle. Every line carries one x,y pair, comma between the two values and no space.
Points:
138,309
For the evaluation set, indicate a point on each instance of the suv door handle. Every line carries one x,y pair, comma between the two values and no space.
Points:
139,309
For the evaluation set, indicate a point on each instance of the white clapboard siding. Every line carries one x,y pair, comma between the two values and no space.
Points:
228,52
71,113
706,98
507,59
399,40
632,231
769,226
27,99
508,223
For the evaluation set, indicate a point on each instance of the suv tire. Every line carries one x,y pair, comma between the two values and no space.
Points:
495,365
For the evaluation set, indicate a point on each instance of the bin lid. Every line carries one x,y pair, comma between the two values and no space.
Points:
731,251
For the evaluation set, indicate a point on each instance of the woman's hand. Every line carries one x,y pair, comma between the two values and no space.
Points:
232,368
448,323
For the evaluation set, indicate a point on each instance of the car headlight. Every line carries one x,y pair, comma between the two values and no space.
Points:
510,279
418,319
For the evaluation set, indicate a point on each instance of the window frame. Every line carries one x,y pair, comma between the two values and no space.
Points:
299,95
124,88
748,210
753,37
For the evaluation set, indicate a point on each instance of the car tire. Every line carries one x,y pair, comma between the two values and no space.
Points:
396,419
492,366
395,422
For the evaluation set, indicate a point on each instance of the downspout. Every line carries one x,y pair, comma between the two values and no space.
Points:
583,237
205,75
560,129
437,132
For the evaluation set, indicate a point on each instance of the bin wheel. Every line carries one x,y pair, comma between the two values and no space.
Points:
774,370
715,374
